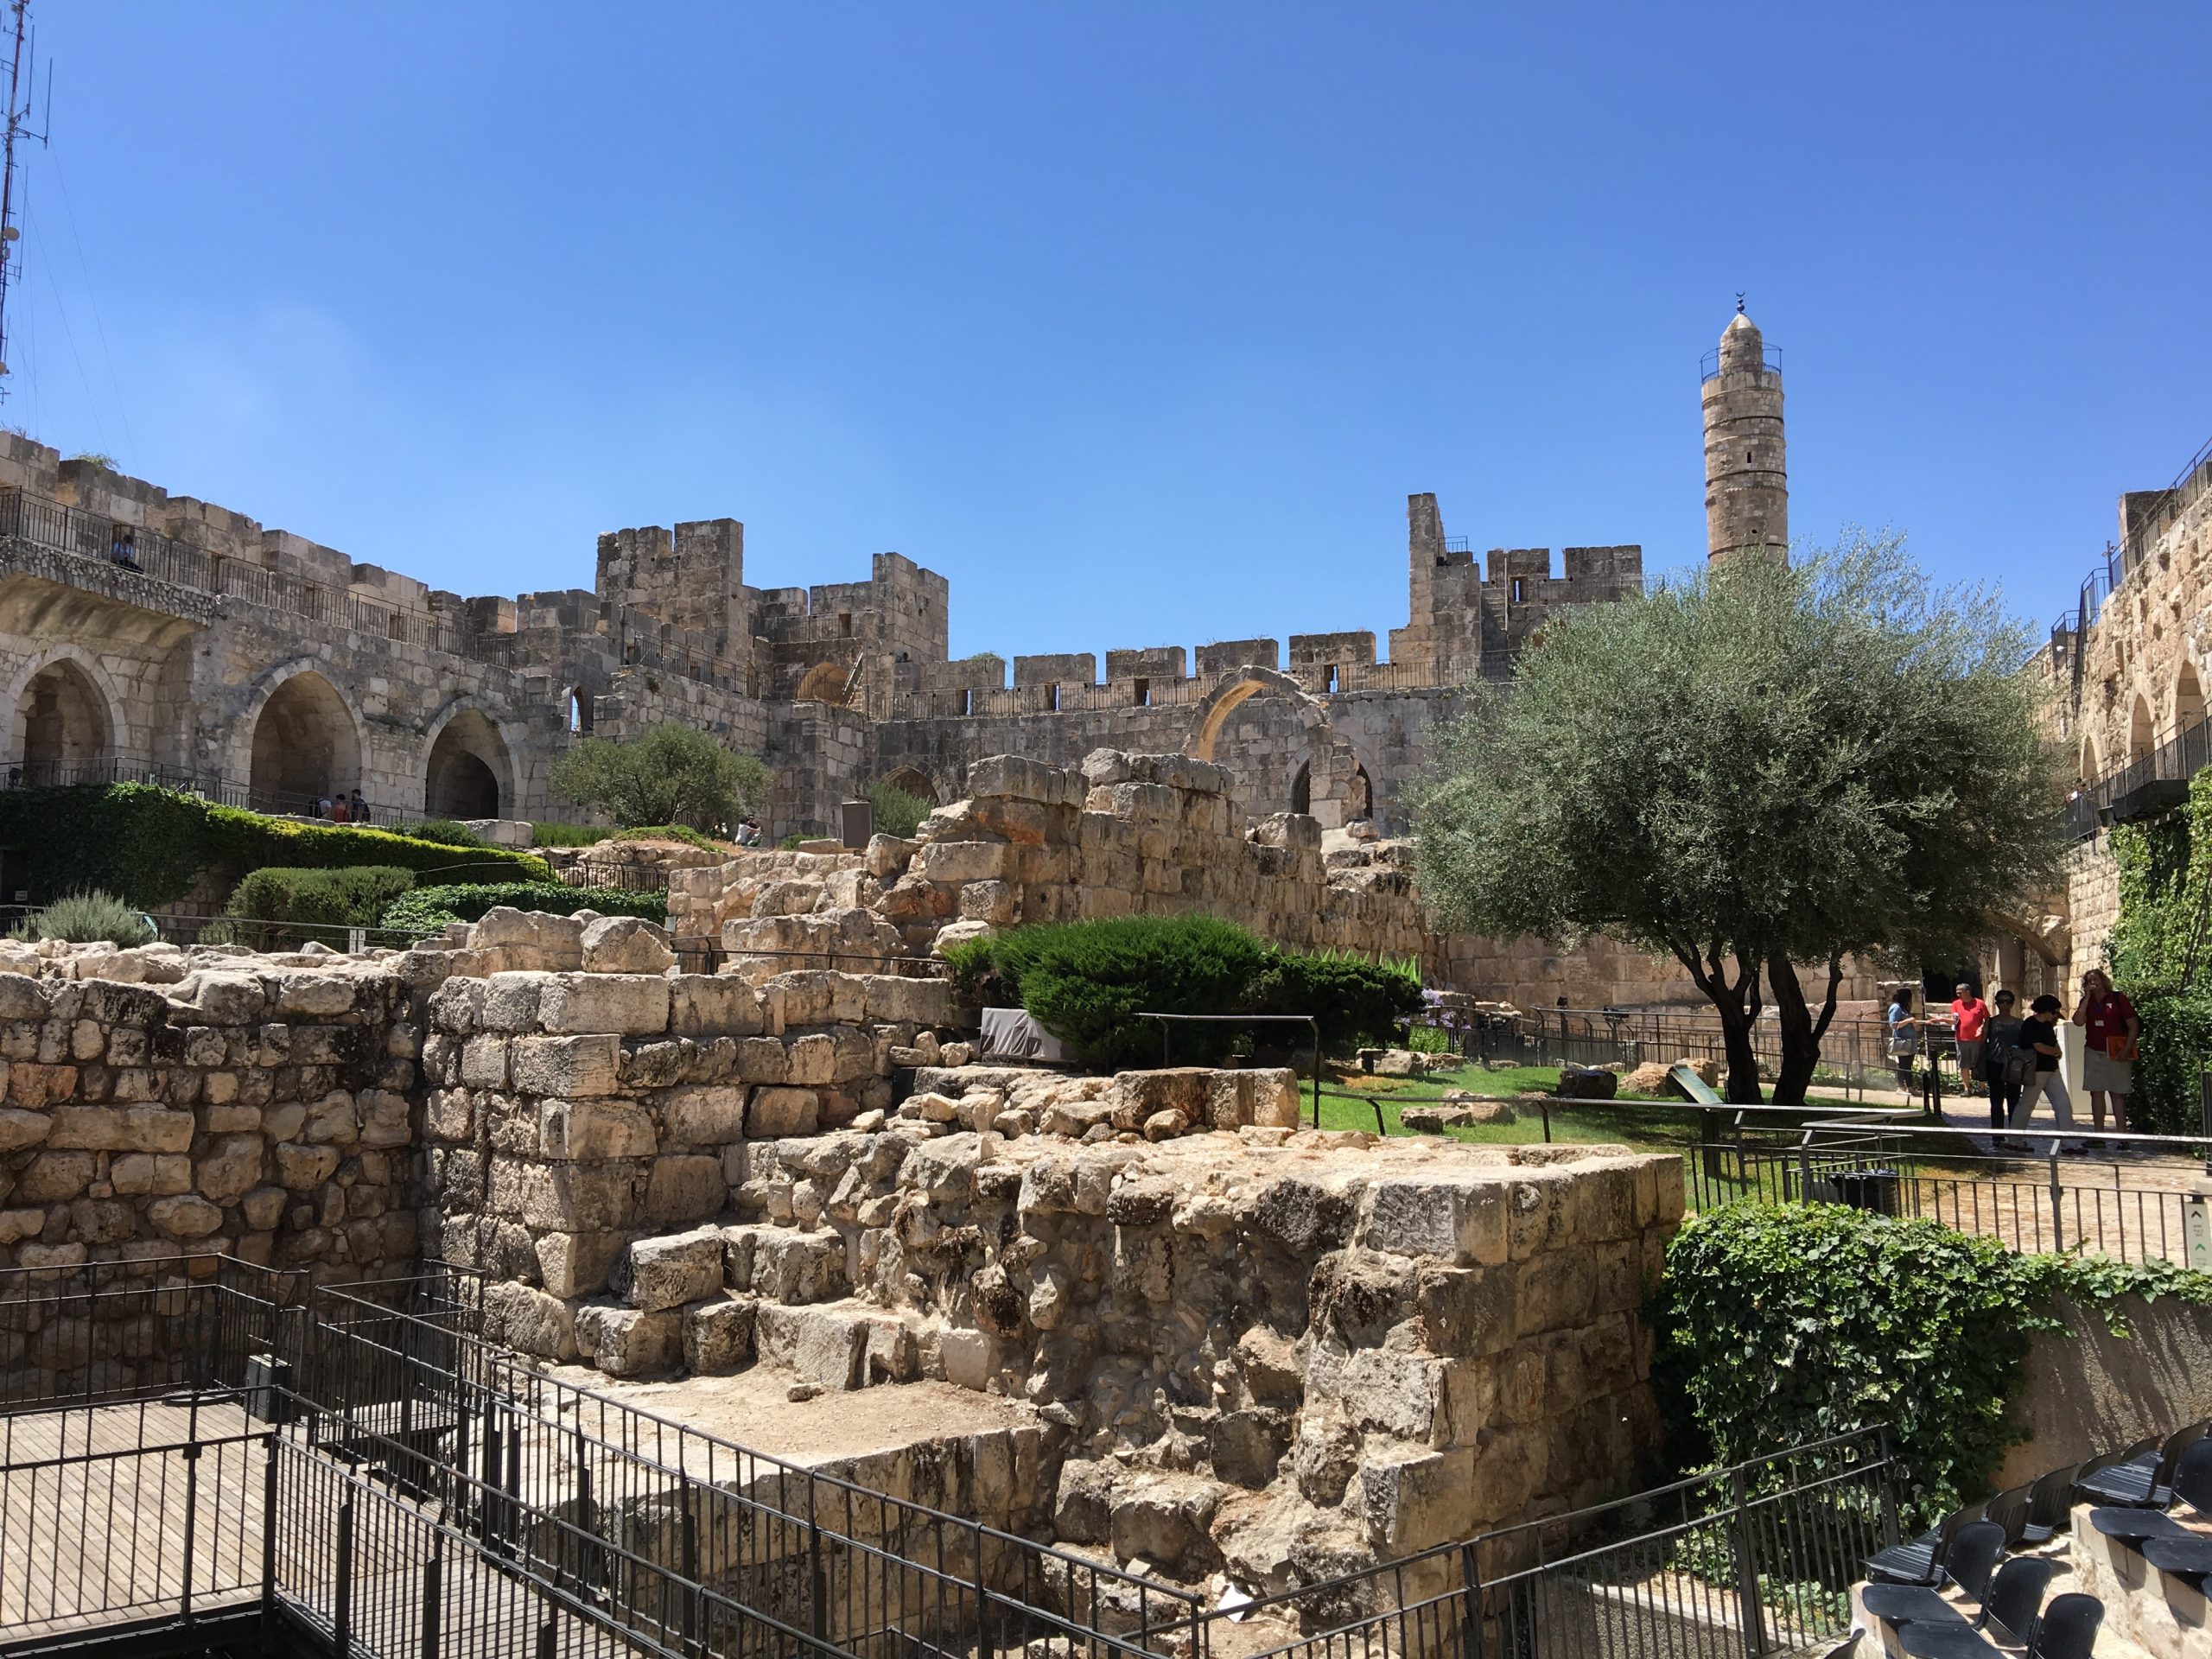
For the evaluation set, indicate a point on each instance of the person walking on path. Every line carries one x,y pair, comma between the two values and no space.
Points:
1904,1036
2039,1035
1969,1013
2108,1065
2005,1060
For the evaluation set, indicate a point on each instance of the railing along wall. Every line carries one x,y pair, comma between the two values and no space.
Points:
640,639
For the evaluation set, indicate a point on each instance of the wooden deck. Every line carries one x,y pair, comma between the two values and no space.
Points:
105,1519
104,1516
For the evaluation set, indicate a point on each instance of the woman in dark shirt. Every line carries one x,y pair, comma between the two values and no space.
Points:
2039,1034
2002,1046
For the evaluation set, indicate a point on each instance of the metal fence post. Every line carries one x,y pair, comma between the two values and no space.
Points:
2057,1202
269,1527
341,1620
190,1455
1471,1603
433,1571
1751,1613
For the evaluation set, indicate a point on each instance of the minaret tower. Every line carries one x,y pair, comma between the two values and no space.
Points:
1747,479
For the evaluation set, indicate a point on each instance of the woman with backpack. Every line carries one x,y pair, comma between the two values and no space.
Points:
2006,1062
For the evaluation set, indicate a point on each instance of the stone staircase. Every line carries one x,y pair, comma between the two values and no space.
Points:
717,1298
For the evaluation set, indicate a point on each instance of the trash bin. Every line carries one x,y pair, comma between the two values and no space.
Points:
1873,1190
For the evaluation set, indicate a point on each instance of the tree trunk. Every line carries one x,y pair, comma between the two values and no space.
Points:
1802,1030
1737,1004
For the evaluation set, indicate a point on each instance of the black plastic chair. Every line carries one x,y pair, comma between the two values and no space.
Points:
2193,1478
2131,1525
2068,1628
1971,1557
1957,1640
2050,1501
2097,1465
2015,1598
2145,1479
2188,1557
1920,1561
2010,1511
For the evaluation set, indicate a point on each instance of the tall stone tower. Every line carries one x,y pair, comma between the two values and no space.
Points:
1747,479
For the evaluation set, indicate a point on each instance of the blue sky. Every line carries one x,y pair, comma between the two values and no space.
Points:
1138,323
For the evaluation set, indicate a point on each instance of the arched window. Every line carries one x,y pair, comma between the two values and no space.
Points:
2139,739
579,713
912,780
1301,788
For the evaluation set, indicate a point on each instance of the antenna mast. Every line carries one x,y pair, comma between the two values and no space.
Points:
19,126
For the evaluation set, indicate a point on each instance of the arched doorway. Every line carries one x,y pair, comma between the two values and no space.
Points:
2138,732
63,728
468,761
305,745
912,780
2189,699
1301,788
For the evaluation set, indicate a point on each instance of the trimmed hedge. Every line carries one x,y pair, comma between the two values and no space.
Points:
1085,982
150,845
1787,1324
426,909
354,895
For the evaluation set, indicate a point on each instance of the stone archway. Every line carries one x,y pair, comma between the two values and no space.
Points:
64,728
2189,699
912,780
1325,775
824,683
306,744
468,770
2141,737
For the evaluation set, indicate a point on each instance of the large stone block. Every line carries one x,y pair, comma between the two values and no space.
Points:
577,1264
792,1267
590,1130
230,1168
20,1128
1458,1219
715,1005
711,1116
631,1005
777,1112
530,1321
1411,1502
827,1347
508,1001
568,1197
139,1175
717,1335
669,1271
626,944
567,1065
628,1341
952,863
686,1189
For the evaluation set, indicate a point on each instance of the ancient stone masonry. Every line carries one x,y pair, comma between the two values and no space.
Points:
239,1105
143,633
1127,834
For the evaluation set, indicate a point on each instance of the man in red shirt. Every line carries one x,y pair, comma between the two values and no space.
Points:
2108,1059
1970,1013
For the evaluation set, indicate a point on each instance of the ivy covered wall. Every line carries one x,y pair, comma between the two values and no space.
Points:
2161,955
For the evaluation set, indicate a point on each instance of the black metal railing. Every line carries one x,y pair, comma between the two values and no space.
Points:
2177,759
1753,1559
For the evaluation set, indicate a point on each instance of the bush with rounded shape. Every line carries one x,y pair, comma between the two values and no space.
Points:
1086,983
896,811
86,919
677,832
443,832
1358,1002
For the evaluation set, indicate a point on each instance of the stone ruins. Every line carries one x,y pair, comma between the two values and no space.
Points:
1243,1345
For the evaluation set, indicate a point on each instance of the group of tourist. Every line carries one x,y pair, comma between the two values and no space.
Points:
2017,1057
341,808
748,831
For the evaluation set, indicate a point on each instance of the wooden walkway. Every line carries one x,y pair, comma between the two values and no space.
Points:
105,1517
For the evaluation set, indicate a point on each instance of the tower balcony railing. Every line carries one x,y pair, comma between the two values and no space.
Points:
1709,365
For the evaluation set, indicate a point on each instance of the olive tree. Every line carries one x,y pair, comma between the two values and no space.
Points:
1761,770
669,775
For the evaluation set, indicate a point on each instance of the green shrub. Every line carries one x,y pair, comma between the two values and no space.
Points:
318,901
2176,1046
897,812
150,845
426,909
1087,982
1359,1003
444,832
85,918
683,832
569,835
1781,1325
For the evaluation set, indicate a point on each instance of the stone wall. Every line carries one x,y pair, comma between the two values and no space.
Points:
247,1109
1278,1351
2092,906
